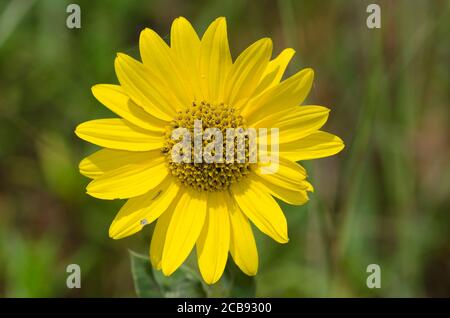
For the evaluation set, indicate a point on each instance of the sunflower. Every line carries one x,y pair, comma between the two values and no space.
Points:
209,206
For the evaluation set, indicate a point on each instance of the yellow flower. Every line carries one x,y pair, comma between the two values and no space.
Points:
208,205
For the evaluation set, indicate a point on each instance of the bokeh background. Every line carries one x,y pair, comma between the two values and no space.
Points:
383,200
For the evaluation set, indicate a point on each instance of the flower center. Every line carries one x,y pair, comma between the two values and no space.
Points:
207,176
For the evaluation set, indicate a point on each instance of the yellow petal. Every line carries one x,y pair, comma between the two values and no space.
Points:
308,186
115,98
185,45
118,134
159,237
316,145
144,88
140,211
215,61
284,96
261,209
287,183
131,180
275,70
289,174
289,195
295,123
246,71
159,59
106,160
242,242
184,229
214,240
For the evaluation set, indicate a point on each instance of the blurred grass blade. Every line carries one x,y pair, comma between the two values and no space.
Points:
11,17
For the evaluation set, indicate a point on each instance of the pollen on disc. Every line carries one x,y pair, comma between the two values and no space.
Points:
216,176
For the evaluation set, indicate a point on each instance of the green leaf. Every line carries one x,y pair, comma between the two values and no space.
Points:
185,282
148,282
145,283
242,286
233,283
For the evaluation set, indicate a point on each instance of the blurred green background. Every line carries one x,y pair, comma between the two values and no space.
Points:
383,200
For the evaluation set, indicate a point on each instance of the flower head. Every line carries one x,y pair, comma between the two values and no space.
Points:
193,91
